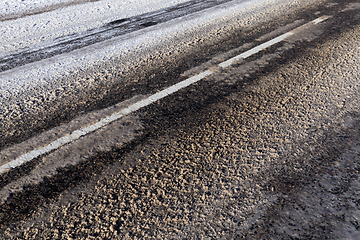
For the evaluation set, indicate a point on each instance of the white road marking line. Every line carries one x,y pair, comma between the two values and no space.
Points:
320,19
103,122
255,50
143,103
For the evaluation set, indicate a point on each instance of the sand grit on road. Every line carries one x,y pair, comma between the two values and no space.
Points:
278,159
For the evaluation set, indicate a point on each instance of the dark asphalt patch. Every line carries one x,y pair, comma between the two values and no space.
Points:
148,24
119,21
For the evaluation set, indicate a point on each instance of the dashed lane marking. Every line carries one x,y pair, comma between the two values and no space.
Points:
143,103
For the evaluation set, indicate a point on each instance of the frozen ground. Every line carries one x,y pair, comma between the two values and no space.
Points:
8,7
40,29
29,30
273,158
64,76
12,9
265,149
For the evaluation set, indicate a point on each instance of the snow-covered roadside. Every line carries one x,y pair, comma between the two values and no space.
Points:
69,80
8,7
27,31
136,46
132,48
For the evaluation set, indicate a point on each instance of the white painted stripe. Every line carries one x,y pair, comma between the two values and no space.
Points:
320,19
255,50
143,103
266,45
103,122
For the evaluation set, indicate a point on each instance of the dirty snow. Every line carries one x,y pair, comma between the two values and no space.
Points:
18,6
40,28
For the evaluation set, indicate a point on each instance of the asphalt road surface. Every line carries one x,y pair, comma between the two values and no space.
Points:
266,148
